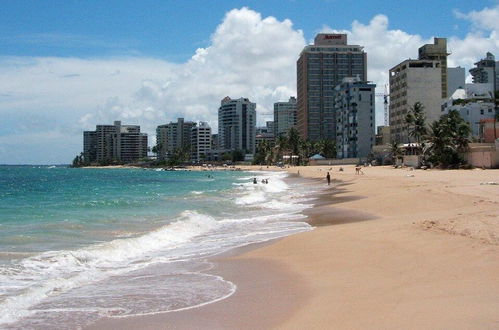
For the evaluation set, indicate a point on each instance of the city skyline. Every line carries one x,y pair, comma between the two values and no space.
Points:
56,81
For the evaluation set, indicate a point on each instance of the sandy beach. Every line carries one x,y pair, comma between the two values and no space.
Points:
392,248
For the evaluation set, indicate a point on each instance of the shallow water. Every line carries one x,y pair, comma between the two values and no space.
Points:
80,244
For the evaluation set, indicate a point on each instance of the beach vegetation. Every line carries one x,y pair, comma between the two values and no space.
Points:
294,149
79,161
416,122
447,140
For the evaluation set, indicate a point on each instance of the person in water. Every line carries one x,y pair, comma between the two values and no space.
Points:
328,178
254,181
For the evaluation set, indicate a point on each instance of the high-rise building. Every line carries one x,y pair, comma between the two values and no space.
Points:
320,68
284,116
437,52
200,141
455,80
128,143
413,81
486,71
172,136
90,146
237,125
114,143
355,118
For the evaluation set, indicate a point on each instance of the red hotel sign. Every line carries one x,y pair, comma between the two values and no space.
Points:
332,36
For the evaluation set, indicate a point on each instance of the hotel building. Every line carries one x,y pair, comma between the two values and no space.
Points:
320,68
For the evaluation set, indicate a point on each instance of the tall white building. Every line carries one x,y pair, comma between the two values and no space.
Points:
284,116
355,118
200,141
237,125
414,81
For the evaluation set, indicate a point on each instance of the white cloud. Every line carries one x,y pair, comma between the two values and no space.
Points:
249,55
483,37
485,19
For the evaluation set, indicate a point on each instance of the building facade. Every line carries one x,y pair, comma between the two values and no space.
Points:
486,71
320,68
284,116
474,105
172,136
114,143
413,81
200,141
456,79
437,52
355,118
237,125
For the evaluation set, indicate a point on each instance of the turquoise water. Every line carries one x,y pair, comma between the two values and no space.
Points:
77,244
47,208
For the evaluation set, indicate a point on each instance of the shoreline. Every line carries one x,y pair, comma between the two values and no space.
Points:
228,265
421,251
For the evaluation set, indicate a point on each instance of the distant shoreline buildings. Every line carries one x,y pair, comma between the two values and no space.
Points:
114,143
334,102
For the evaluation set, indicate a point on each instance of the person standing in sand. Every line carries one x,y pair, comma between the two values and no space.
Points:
328,178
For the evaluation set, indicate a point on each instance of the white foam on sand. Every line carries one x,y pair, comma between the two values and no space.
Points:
80,286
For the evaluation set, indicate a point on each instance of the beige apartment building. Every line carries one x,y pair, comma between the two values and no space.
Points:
414,81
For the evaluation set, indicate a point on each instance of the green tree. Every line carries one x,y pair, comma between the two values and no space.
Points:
327,148
306,150
294,141
237,155
416,122
263,153
448,139
280,147
395,151
157,149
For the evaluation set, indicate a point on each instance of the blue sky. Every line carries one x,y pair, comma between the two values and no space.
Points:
66,66
174,29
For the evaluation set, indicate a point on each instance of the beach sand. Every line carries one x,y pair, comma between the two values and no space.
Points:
392,248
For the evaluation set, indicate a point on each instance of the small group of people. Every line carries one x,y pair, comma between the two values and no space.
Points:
264,181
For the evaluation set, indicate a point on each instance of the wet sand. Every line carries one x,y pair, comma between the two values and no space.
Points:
393,248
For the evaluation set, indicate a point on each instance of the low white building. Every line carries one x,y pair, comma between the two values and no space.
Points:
472,107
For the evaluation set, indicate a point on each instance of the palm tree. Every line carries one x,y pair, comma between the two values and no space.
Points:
305,151
294,140
280,147
396,151
449,137
327,148
416,122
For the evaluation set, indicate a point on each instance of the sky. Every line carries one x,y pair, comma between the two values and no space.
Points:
66,66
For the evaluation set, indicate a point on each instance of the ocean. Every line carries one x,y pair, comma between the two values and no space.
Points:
77,245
